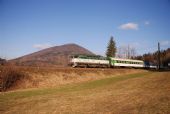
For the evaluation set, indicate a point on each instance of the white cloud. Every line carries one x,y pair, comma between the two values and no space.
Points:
146,22
42,46
129,26
165,43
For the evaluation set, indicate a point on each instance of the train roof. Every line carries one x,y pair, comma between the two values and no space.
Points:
121,59
88,56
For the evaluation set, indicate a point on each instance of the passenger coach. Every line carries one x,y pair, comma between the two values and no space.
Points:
126,63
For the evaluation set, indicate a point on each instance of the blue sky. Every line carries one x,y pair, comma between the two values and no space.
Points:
27,26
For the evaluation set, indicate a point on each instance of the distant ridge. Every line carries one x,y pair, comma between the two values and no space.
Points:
53,56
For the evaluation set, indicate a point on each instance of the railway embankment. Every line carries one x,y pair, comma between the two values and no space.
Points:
44,77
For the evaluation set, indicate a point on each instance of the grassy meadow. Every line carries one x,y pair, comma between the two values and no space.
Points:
138,93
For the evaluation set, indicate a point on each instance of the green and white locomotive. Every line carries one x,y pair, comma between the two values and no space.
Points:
88,61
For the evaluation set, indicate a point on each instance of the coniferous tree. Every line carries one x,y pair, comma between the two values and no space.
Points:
111,48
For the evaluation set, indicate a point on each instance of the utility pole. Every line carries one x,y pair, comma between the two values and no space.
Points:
158,56
128,52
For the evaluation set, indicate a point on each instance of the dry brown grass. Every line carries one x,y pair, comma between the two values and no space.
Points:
146,94
9,77
38,77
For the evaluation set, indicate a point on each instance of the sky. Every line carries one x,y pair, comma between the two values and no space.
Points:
27,26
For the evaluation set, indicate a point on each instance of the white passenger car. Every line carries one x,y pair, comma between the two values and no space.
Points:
126,62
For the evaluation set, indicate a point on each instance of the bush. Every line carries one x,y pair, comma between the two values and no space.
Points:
9,76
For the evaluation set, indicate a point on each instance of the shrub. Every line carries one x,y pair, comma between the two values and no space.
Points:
8,77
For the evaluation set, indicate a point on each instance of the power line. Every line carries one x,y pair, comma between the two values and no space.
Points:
158,55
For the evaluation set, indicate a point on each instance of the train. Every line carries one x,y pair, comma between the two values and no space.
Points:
106,62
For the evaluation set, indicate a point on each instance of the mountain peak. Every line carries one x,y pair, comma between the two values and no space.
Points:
53,56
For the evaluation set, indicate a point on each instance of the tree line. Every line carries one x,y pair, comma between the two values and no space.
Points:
153,57
126,52
130,53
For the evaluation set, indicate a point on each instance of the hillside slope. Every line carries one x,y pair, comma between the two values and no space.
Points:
53,56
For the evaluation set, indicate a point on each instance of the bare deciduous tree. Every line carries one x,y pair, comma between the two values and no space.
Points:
127,52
